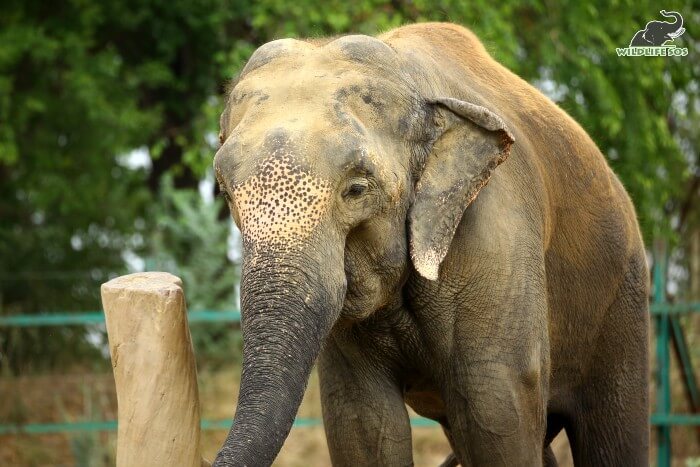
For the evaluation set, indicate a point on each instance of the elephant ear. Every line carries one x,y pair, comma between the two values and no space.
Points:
472,141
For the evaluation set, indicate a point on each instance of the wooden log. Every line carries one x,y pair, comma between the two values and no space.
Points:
154,371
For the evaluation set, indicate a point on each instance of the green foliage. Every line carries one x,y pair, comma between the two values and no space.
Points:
84,82
191,242
625,104
81,83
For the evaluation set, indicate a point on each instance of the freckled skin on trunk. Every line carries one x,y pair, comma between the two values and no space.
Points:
292,289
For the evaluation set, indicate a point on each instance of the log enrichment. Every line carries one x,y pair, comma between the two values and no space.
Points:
154,371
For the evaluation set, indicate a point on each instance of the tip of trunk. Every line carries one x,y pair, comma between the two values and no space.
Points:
279,350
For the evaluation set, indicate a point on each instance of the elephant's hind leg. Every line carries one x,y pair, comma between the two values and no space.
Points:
611,421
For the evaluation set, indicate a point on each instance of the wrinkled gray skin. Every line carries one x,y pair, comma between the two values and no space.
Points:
356,169
655,33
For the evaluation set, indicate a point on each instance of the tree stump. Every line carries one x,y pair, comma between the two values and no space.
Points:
154,371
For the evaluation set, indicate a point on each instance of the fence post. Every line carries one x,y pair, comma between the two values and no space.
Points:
663,357
154,371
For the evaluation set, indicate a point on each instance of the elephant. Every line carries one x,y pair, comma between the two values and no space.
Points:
655,33
430,231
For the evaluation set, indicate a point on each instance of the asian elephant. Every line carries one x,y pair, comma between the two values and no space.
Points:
357,168
655,33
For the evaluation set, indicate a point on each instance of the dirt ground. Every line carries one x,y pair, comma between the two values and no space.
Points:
80,397
306,446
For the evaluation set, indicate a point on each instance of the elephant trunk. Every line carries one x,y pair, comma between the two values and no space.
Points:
675,29
287,312
672,14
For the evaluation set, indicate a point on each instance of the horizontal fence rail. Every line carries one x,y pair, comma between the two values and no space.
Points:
674,308
225,424
77,318
61,318
111,425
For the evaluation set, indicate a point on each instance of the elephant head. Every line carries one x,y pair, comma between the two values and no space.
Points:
657,32
340,173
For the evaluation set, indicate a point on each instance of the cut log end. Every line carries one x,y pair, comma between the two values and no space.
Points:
143,281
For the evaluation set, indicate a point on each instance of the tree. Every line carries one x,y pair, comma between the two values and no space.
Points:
68,207
82,83
192,243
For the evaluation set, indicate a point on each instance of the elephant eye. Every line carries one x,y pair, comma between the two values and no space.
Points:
356,188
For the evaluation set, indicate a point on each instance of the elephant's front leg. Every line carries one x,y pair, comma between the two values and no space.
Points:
364,414
496,407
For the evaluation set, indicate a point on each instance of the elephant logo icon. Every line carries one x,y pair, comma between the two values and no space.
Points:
656,33
655,40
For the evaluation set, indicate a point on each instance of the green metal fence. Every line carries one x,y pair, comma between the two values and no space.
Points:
61,318
669,335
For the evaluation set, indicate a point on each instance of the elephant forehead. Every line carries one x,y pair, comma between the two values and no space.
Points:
282,203
364,49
